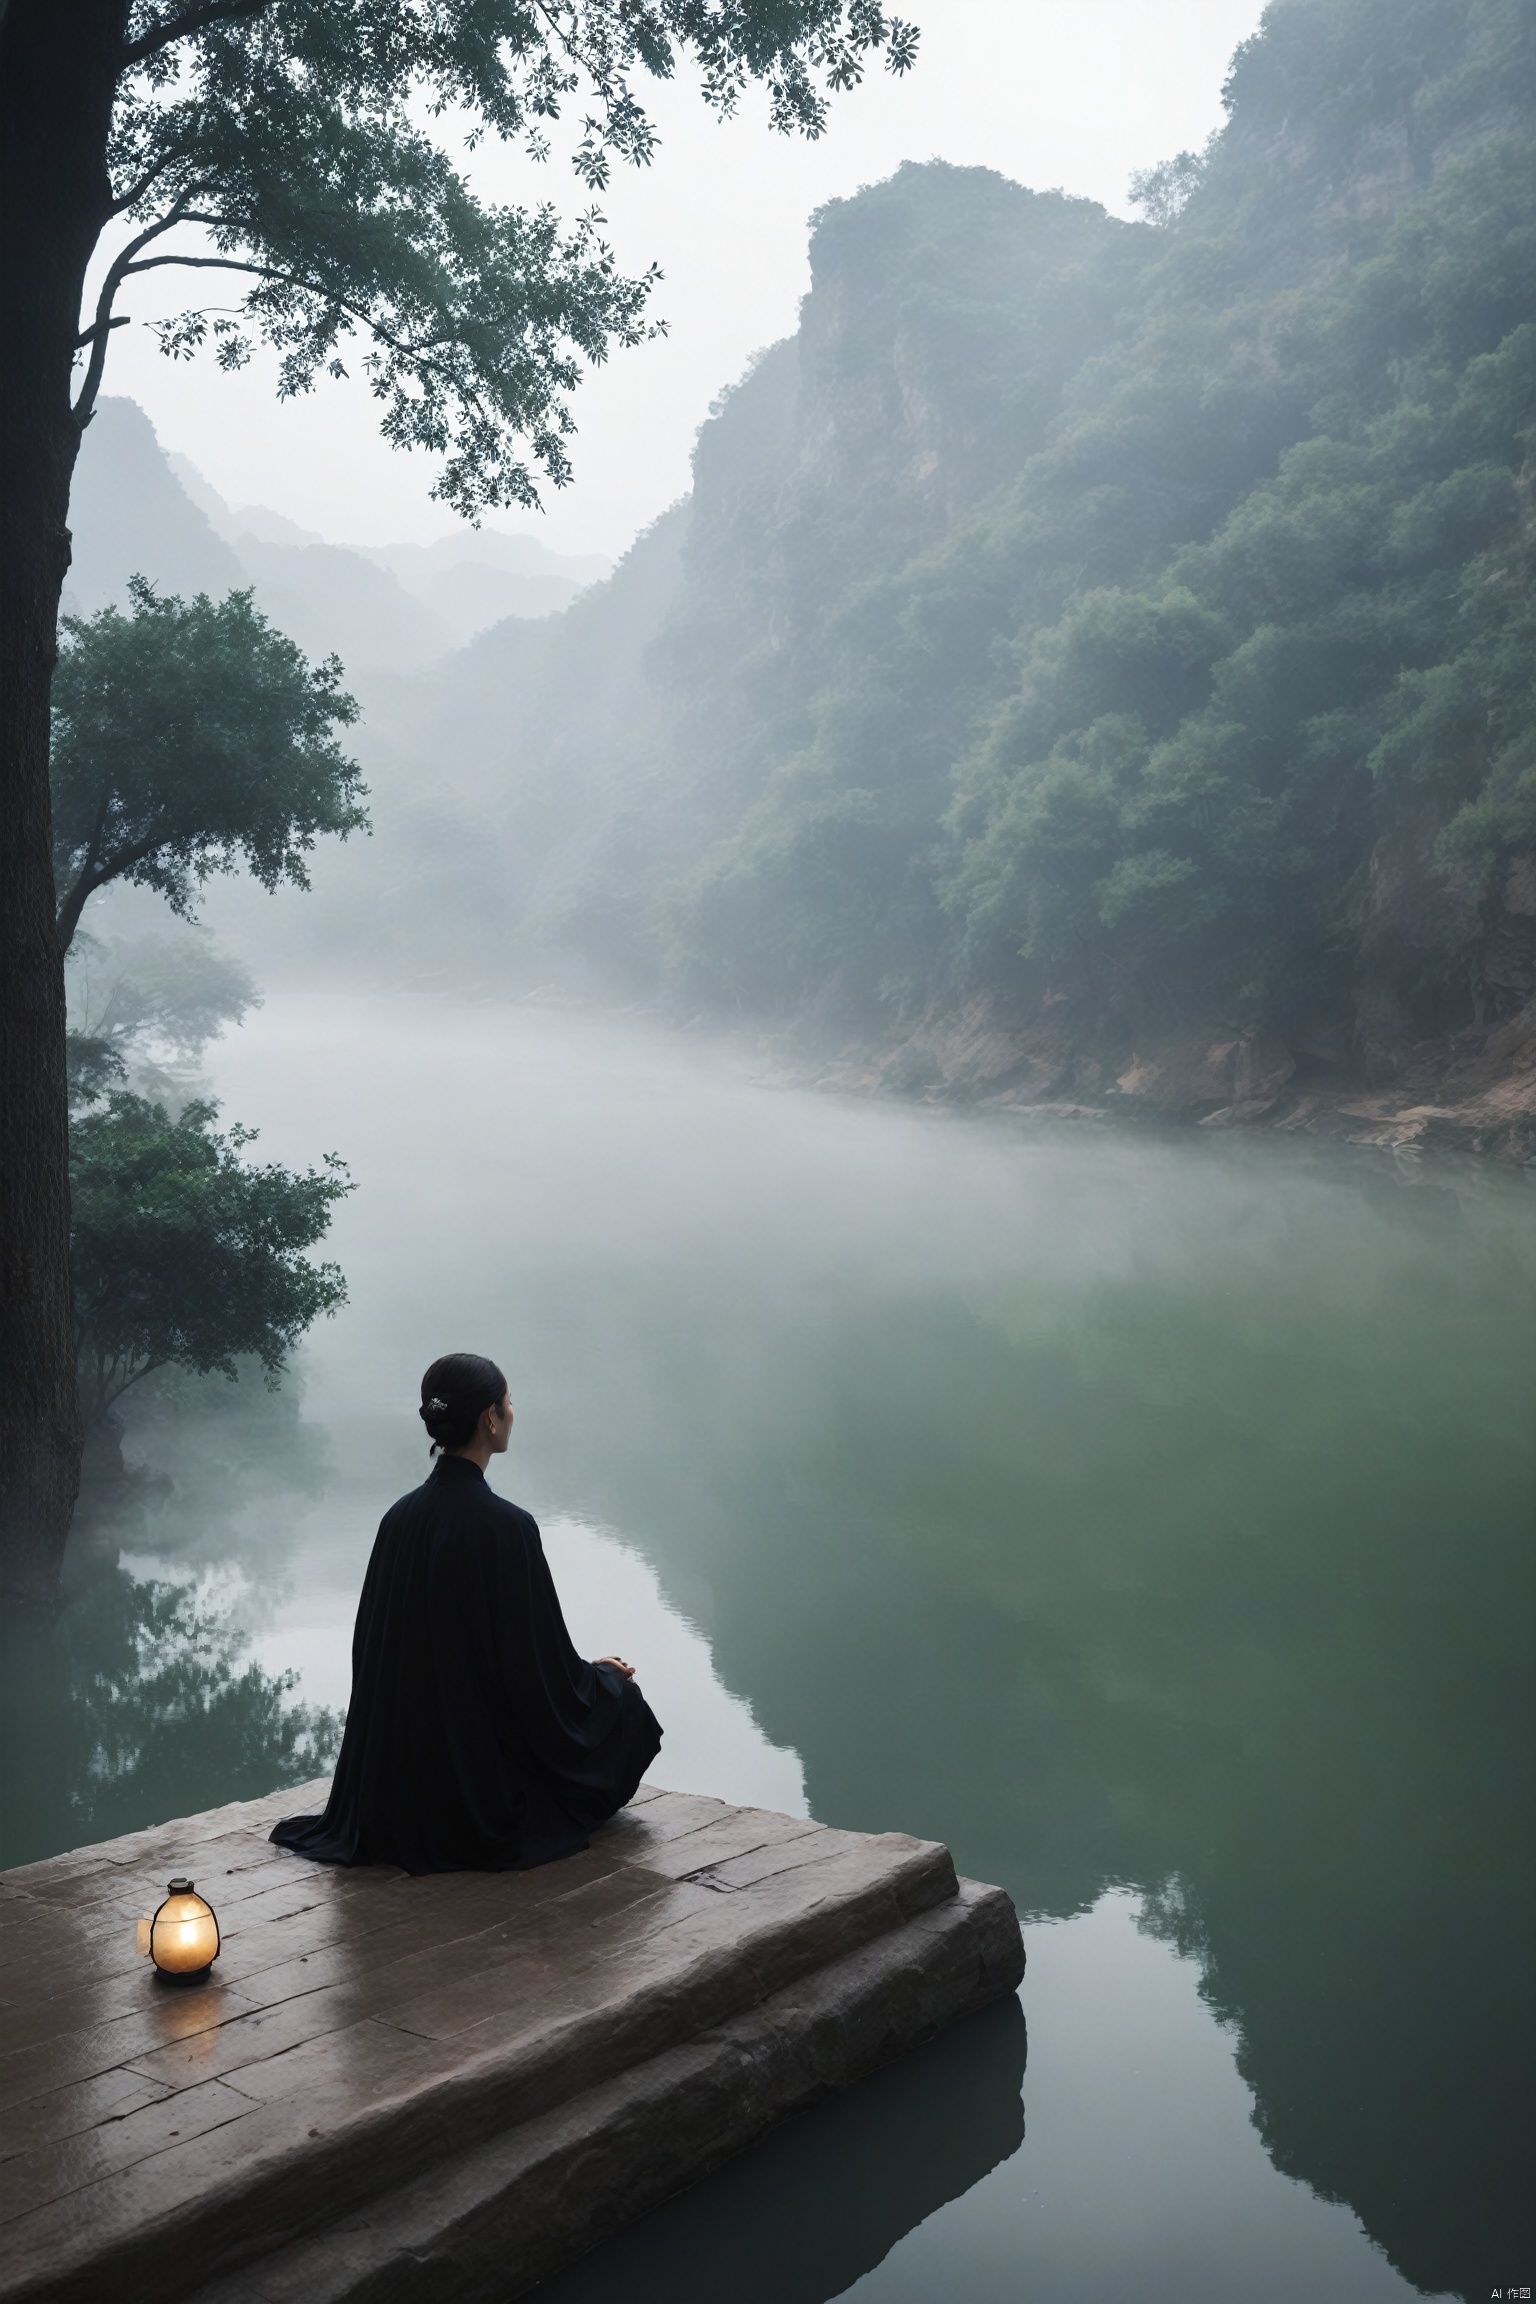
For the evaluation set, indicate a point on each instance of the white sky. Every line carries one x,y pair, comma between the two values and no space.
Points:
1071,93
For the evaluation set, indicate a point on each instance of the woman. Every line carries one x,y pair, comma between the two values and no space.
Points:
477,1738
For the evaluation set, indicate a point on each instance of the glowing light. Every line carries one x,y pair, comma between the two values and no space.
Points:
184,1935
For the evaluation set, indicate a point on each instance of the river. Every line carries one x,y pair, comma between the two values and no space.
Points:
1149,1517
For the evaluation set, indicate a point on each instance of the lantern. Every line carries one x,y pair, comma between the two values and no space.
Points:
183,1935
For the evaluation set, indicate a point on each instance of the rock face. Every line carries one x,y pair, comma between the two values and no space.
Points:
1472,1091
1229,1080
443,2087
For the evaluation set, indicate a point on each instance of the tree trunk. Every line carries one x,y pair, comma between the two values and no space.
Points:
58,69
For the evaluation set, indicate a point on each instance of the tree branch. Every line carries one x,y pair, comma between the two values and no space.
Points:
562,39
94,874
89,335
357,312
85,883
136,192
168,32
111,1397
213,263
97,336
72,907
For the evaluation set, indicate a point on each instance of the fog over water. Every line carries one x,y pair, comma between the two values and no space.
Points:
1145,1515
1034,637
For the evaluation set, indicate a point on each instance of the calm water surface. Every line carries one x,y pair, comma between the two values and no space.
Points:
1150,1519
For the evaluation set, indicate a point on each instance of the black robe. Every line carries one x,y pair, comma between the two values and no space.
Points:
477,1738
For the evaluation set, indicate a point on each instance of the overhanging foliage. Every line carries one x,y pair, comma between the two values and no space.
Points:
182,1251
189,738
290,145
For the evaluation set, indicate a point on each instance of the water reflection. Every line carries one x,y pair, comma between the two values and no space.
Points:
1122,1512
823,2200
713,1743
1184,1585
135,1703
1142,2175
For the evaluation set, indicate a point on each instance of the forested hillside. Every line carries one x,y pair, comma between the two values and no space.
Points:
1095,658
1114,634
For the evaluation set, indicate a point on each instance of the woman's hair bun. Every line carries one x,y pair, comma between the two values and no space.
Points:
455,1393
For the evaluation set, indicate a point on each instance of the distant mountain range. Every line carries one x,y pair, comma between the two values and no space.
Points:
1093,666
1096,662
138,509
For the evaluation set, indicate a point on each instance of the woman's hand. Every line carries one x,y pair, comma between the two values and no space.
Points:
619,1665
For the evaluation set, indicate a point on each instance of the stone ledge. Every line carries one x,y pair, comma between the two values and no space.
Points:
370,2035
490,2225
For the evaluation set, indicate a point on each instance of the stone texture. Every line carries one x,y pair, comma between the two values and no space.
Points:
1471,1089
450,2084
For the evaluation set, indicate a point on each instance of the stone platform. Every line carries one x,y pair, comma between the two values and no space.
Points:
445,2087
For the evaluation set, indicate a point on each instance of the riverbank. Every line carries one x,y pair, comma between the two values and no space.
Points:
1472,1091
1116,1503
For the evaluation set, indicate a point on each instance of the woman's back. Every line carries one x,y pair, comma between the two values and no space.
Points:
477,1737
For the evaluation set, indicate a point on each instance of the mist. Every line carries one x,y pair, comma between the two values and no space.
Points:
1075,93
887,1438
943,970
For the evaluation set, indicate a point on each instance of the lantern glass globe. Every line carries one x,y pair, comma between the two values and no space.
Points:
184,1935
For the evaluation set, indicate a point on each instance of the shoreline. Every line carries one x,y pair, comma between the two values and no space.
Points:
1473,1093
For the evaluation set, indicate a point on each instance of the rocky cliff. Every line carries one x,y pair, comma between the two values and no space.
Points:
1096,659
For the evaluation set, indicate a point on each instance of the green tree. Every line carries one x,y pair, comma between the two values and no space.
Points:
183,1252
188,738
279,143
1132,623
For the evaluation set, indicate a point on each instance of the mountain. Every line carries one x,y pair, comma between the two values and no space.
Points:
131,512
232,523
469,581
336,602
1096,661
130,515
1101,657
137,508
481,576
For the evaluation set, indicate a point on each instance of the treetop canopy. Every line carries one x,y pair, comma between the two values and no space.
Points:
282,142
188,737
